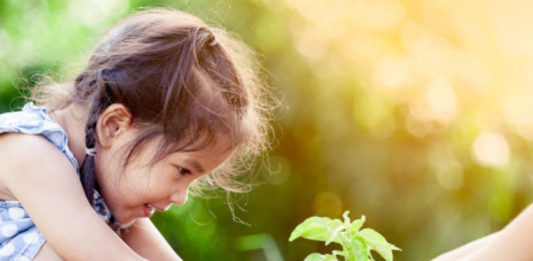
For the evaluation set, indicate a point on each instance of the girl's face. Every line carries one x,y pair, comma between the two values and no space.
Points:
138,189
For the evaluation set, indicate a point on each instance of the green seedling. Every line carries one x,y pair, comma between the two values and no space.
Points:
356,243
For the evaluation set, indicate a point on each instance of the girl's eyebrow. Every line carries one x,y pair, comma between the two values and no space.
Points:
196,165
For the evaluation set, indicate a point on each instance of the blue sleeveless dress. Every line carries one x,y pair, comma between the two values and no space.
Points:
20,239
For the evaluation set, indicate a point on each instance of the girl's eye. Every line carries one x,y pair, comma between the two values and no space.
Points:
184,171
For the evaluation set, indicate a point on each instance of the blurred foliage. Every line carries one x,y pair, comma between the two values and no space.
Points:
414,113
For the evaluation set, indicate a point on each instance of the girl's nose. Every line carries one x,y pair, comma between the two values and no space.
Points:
180,197
167,207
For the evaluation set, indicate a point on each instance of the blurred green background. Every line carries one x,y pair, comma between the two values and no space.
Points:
414,113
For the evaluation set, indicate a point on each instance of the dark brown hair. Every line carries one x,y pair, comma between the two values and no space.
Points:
179,78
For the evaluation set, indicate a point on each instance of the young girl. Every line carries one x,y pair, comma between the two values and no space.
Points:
164,100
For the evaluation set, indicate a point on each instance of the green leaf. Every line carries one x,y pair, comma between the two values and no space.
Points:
338,253
313,227
335,227
357,250
377,242
319,257
318,228
393,247
358,223
346,218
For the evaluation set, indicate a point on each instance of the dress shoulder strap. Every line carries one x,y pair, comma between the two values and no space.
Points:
35,120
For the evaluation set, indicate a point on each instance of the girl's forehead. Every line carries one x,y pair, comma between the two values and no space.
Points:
204,145
161,148
200,161
207,152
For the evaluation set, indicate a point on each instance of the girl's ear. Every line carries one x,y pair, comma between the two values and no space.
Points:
114,120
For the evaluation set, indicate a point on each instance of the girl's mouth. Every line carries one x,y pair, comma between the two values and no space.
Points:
148,210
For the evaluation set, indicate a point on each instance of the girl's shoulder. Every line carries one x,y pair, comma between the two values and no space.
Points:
22,153
32,119
28,135
20,150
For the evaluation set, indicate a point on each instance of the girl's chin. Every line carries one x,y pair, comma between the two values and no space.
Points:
122,225
127,217
125,221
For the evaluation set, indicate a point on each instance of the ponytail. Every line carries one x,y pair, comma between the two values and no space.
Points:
87,169
102,99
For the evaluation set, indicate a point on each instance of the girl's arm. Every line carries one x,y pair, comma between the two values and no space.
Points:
145,239
511,243
465,250
39,176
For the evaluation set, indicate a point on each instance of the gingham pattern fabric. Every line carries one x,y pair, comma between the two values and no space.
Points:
19,237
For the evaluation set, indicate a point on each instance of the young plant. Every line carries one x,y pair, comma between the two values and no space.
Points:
356,244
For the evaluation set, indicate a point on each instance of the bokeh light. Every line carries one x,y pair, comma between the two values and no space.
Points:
491,149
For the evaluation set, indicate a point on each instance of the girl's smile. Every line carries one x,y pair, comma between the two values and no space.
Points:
148,210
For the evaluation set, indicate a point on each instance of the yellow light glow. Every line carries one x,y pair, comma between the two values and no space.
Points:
442,101
452,177
459,57
327,204
392,72
491,149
